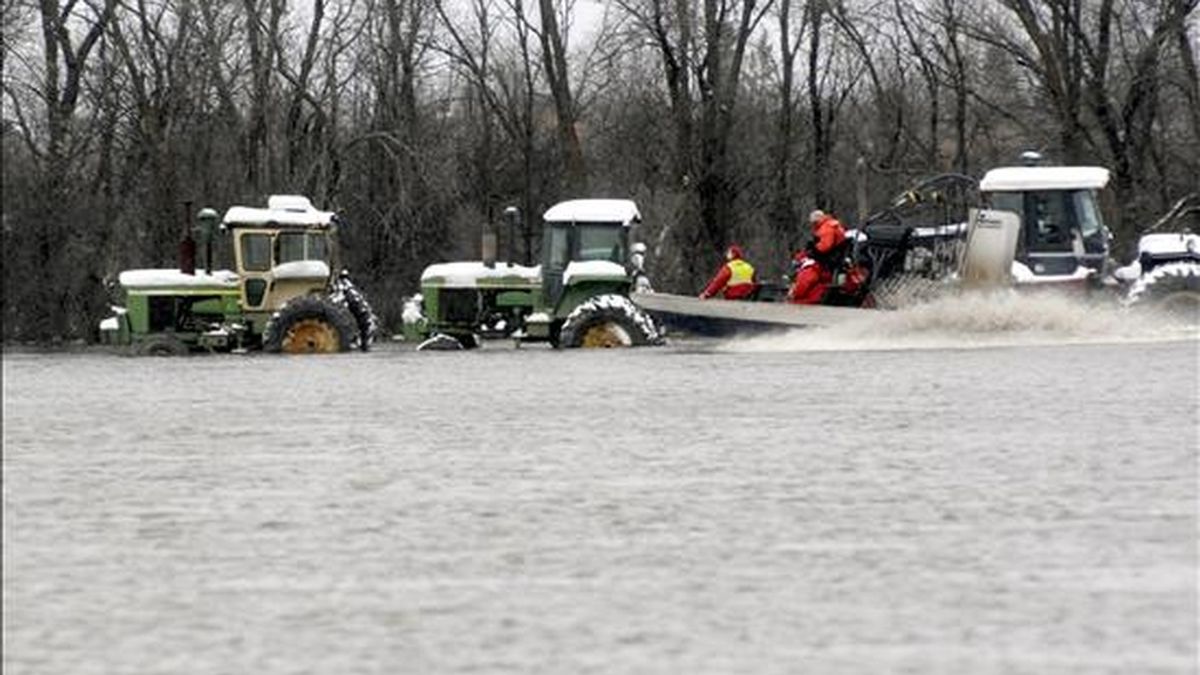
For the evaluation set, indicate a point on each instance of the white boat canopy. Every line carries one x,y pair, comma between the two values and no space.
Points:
621,211
1032,178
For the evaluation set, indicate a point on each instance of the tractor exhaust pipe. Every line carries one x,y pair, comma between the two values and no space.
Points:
487,246
187,245
513,216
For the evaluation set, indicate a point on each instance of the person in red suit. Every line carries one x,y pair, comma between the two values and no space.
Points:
735,279
817,262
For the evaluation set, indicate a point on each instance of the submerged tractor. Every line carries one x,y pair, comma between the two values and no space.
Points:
1166,271
281,297
577,297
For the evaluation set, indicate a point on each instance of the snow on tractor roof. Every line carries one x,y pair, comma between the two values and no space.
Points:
621,211
470,274
281,211
167,278
1031,178
595,269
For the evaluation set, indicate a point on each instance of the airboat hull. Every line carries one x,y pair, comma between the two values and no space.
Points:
720,317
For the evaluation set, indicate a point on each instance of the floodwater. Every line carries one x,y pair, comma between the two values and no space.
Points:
978,490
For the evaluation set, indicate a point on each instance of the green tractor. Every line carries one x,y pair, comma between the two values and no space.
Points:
281,298
577,297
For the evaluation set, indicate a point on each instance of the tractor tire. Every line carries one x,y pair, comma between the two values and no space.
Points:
608,321
161,345
1172,289
364,315
310,324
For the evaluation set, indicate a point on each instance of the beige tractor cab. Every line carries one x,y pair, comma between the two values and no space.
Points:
281,252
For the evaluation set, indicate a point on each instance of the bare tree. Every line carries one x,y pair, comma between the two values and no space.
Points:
558,77
790,39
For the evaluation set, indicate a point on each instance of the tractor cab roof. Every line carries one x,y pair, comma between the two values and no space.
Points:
1034,178
621,211
283,211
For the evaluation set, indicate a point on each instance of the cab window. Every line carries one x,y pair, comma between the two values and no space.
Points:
291,247
558,246
1091,223
601,242
1049,226
256,252
318,246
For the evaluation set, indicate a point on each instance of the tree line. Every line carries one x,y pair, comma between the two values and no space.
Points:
419,121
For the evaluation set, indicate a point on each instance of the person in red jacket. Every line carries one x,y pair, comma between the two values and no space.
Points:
818,261
828,237
735,279
811,282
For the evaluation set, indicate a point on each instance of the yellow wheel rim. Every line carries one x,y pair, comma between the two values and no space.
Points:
606,335
310,336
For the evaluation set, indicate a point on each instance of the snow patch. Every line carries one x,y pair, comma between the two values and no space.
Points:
168,278
1024,178
621,211
1166,244
603,269
412,309
295,210
301,269
469,274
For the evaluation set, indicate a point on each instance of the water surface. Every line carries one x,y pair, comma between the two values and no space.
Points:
783,504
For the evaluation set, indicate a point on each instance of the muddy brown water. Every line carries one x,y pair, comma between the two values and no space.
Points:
846,504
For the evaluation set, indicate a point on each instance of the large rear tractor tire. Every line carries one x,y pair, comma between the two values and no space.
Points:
609,321
355,301
1172,289
310,324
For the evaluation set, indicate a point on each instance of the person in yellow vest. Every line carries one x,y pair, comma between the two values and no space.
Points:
735,280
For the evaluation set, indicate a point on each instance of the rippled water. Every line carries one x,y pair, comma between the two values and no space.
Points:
872,499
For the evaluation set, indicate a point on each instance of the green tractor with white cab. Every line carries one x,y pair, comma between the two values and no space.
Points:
282,296
577,297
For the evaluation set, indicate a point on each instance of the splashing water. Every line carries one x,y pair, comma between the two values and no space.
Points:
977,320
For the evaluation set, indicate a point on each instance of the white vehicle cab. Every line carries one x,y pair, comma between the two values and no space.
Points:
1062,235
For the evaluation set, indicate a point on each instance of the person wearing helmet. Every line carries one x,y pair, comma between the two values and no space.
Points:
735,280
816,263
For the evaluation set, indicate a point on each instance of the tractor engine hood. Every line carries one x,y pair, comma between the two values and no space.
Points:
476,274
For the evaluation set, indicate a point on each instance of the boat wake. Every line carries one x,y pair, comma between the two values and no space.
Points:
980,320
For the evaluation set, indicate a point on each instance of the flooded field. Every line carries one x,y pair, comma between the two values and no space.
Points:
1012,495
